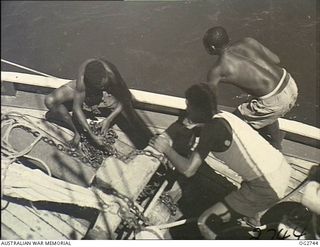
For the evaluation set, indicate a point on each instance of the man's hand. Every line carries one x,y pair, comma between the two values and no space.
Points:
98,140
160,143
74,143
104,125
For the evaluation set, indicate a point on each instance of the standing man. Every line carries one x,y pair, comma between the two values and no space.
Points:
99,85
264,170
252,67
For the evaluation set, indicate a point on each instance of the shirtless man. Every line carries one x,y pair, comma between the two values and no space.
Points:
265,174
252,67
99,84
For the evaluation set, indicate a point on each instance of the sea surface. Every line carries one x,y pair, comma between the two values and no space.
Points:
157,46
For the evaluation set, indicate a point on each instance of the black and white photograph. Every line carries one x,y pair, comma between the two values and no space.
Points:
160,120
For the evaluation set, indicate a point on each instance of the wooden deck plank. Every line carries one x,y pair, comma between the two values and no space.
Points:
301,162
61,226
69,229
298,176
40,224
299,150
23,229
79,225
299,169
8,234
293,184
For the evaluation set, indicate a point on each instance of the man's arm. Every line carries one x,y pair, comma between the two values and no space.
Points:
213,78
77,110
216,136
261,48
79,97
186,166
106,123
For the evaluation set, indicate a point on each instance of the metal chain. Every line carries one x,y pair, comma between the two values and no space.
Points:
132,217
167,200
89,154
148,191
149,153
151,189
96,154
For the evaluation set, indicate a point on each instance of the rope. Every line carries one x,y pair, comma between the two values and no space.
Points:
11,154
24,117
26,68
41,162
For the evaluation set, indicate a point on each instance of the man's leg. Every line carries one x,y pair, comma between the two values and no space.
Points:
271,132
211,220
54,103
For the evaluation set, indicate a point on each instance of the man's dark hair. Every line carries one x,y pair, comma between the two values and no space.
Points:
216,36
94,73
201,97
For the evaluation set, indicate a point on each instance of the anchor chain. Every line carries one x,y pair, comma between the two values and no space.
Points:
136,152
132,218
167,200
148,191
151,189
153,186
88,153
96,154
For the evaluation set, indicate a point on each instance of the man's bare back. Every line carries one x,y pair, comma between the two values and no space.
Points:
248,65
252,67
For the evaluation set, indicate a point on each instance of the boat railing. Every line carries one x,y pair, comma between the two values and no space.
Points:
296,131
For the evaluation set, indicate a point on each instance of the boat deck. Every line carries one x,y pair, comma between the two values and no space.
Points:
55,225
21,220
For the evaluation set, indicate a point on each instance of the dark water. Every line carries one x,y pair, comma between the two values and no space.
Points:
157,45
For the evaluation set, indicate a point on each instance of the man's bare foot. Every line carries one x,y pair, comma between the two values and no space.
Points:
74,143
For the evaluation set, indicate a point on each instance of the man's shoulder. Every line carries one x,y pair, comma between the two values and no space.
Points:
218,124
71,85
217,135
247,40
244,43
220,121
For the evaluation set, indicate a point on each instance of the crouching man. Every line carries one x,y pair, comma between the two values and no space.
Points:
263,168
99,86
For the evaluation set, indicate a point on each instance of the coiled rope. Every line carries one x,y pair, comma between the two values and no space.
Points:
11,155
